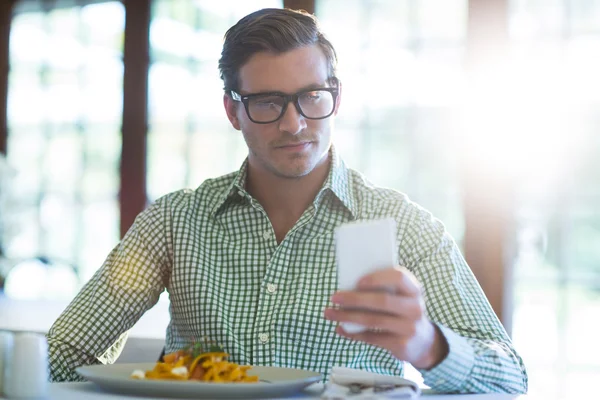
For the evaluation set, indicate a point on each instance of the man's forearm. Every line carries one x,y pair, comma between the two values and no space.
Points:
63,359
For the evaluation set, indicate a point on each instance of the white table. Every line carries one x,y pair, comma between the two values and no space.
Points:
88,391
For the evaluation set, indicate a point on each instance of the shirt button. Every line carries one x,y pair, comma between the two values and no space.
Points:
263,337
271,288
267,235
241,193
440,382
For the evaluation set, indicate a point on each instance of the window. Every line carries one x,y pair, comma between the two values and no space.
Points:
557,270
401,72
64,115
189,138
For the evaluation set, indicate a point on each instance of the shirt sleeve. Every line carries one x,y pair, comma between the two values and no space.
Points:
481,356
93,328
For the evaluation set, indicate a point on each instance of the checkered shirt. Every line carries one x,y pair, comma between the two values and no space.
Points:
214,250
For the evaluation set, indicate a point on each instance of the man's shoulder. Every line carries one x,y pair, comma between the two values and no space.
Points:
374,201
368,193
204,195
216,186
413,220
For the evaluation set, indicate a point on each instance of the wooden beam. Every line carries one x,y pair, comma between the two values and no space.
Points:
136,59
488,196
5,21
487,32
306,5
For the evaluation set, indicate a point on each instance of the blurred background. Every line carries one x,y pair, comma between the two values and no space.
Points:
485,112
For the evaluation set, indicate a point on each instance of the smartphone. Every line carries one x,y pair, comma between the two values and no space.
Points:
362,247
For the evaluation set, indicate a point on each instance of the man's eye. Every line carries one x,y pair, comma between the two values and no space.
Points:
267,102
316,95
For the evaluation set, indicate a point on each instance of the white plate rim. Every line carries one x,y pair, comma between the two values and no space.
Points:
103,376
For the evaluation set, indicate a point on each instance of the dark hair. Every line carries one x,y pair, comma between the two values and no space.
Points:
274,30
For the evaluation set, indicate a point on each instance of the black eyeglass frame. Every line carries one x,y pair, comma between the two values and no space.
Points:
287,99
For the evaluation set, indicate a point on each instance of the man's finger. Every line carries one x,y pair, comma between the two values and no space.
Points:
396,280
384,340
381,322
383,302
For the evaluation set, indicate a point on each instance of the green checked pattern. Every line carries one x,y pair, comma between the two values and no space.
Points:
214,251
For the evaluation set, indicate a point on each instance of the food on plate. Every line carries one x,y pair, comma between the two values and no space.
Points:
197,362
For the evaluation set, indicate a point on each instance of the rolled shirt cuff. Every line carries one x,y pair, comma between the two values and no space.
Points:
451,374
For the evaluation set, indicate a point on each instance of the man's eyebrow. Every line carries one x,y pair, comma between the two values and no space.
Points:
302,89
313,86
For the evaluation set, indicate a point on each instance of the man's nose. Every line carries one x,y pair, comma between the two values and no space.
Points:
292,121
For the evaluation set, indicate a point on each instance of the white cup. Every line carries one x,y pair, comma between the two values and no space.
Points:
6,346
26,372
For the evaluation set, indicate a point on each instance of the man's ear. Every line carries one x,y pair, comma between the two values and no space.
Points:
339,98
231,110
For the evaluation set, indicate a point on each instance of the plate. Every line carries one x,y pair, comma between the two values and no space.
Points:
274,382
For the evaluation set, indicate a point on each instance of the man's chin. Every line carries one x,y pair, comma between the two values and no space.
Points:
294,170
296,173
295,167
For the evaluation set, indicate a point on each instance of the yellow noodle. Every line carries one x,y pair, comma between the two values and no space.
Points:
216,369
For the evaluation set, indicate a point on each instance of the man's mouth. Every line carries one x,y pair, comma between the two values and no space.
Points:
294,146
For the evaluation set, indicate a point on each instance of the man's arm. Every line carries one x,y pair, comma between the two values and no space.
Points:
437,319
481,357
93,328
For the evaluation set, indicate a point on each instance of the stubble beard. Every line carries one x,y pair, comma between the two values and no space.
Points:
298,166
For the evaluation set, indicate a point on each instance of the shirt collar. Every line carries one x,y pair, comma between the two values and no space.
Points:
236,188
338,182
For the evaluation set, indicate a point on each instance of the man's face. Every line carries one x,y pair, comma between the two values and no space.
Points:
294,145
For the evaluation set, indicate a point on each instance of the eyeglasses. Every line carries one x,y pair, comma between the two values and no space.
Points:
264,108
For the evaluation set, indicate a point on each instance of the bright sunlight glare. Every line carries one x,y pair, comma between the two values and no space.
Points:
520,122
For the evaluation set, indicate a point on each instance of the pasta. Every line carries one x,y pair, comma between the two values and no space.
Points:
193,364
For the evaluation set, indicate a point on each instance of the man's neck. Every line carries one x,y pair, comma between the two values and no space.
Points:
285,199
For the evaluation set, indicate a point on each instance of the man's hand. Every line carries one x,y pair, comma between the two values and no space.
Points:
392,308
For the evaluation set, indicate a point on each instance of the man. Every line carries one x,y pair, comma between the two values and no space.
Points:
248,259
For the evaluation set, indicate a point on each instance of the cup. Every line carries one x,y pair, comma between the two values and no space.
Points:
26,372
6,346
